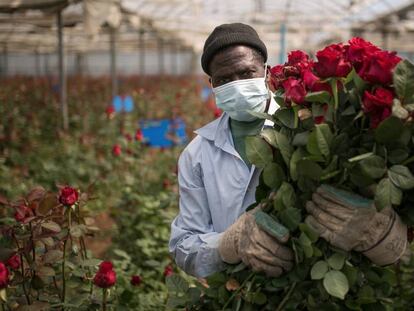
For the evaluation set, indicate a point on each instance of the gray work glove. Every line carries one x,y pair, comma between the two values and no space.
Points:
351,222
246,241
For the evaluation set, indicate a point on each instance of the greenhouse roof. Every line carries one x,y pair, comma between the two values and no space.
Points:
30,24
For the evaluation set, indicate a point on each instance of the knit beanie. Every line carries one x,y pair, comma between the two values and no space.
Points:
230,34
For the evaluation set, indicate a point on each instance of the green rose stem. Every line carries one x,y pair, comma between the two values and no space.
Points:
104,297
22,270
292,287
24,280
64,256
334,87
83,249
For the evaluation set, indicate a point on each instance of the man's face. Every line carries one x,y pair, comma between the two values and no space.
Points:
235,63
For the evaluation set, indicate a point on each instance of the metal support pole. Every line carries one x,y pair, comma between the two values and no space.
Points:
37,63
141,50
5,60
160,56
62,72
282,43
114,80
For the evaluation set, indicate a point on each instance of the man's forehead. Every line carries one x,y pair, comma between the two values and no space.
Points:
232,55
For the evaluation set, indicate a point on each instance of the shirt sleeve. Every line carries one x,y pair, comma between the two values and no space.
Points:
193,242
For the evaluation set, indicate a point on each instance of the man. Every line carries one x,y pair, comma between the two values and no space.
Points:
217,183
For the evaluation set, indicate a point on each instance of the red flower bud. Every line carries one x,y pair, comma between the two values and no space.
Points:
136,280
4,275
106,276
110,111
138,135
68,196
378,105
14,262
116,150
168,270
217,112
294,90
332,62
106,266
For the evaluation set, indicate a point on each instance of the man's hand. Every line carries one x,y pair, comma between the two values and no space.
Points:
351,222
246,241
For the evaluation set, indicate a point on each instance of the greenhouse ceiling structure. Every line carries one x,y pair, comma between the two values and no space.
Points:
283,24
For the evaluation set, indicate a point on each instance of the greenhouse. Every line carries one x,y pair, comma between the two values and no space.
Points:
206,155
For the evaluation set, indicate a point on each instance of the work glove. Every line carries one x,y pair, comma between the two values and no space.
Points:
351,222
258,248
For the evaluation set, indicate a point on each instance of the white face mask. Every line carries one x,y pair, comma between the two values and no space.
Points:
240,96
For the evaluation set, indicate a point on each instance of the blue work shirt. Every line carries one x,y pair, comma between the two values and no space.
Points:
215,188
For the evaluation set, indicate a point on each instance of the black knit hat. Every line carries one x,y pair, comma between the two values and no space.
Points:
230,34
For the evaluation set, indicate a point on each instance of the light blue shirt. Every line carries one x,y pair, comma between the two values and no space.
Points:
215,188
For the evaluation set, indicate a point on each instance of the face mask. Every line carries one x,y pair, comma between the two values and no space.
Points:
237,97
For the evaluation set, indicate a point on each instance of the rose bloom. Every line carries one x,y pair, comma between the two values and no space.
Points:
116,150
217,112
4,275
68,196
106,276
299,59
378,67
332,62
313,83
14,262
138,135
359,50
22,213
277,76
294,90
168,270
136,280
378,105
110,111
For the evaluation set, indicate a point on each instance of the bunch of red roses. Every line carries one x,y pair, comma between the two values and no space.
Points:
301,75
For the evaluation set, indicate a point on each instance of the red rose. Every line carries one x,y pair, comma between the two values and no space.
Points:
377,68
22,213
294,90
300,60
168,270
313,83
106,266
116,150
110,111
332,62
135,280
276,77
106,276
4,275
378,105
14,262
359,50
217,112
138,135
68,196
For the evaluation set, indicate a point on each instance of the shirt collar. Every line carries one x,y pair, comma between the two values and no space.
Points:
218,129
